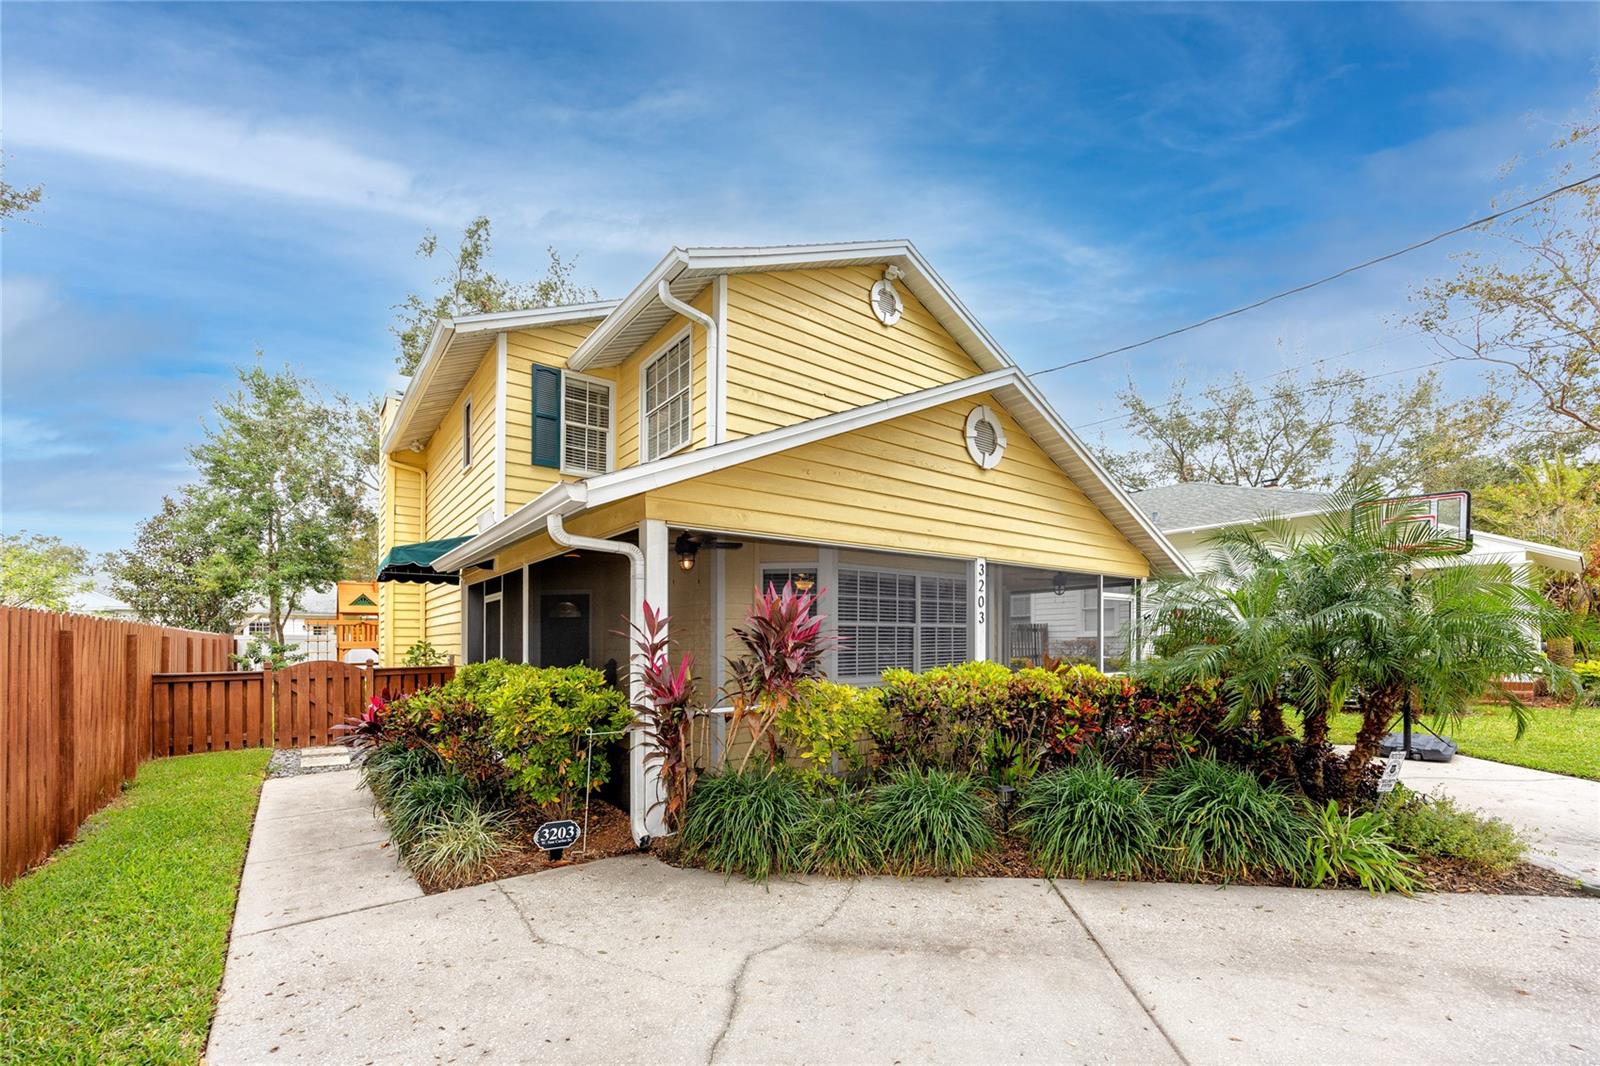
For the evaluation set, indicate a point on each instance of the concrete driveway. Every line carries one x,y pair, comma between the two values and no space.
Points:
336,958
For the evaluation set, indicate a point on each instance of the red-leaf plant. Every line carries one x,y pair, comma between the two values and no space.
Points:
365,730
784,645
666,714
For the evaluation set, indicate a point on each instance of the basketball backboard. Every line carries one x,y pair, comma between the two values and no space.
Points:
1449,513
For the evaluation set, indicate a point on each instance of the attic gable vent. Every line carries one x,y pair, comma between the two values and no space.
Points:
886,301
986,440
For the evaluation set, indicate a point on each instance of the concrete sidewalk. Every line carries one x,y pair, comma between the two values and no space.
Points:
1560,814
337,958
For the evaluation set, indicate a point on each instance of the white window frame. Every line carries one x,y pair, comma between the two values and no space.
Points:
611,430
644,413
258,627
916,625
466,434
786,569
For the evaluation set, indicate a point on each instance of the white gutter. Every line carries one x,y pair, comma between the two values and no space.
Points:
646,775
672,303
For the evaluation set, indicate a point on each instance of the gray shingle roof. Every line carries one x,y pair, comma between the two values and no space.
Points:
1198,505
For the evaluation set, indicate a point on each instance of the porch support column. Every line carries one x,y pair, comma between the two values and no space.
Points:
978,608
646,795
828,584
717,726
1100,620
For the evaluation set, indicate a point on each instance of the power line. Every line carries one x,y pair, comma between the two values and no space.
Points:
1322,281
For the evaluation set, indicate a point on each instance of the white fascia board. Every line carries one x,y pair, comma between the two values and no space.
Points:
1557,558
532,318
565,498
642,296
1032,394
438,341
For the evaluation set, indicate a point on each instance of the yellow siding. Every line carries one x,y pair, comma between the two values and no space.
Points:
805,343
908,485
400,522
550,346
441,605
456,497
627,375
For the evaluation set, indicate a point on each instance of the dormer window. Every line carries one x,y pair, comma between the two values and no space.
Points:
665,408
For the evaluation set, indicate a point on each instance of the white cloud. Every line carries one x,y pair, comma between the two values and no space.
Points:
278,157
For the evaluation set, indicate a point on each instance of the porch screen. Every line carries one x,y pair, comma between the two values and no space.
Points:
891,619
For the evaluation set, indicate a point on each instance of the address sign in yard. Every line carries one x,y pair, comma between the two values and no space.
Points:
557,836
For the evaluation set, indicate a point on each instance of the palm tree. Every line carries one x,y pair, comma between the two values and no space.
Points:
1367,605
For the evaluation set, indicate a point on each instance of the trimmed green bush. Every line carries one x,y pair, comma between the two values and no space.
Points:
931,821
841,839
750,822
1356,847
1436,827
1088,821
417,805
390,765
824,723
1220,819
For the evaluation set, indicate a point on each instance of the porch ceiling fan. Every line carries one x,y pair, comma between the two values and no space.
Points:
688,546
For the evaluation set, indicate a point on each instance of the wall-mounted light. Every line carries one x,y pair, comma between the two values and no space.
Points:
1058,584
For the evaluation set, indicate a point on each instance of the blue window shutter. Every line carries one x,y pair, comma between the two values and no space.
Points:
546,417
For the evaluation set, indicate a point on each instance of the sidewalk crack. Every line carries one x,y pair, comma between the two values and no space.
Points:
735,986
1149,1012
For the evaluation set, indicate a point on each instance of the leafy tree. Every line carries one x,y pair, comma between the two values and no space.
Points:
176,572
363,431
1552,500
275,487
1334,429
41,571
470,288
15,201
1527,307
261,653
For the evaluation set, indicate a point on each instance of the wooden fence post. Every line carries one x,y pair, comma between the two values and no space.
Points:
66,740
269,700
131,732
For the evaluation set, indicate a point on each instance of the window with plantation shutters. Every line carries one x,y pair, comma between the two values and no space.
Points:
889,619
585,425
665,402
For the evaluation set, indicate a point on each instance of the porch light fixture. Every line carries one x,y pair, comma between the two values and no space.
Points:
1058,583
687,549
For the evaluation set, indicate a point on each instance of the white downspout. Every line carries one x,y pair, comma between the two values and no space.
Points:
645,786
713,423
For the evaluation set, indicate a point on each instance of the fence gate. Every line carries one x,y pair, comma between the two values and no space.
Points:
314,697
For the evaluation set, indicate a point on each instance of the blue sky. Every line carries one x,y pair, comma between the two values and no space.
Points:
220,179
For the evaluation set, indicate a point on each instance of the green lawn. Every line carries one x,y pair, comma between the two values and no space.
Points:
113,952
1563,740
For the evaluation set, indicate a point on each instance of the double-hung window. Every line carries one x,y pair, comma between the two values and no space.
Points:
664,402
573,422
890,619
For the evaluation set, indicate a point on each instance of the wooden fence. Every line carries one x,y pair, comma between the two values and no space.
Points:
86,700
78,717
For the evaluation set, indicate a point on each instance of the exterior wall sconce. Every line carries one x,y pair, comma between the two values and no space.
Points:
1059,584
686,549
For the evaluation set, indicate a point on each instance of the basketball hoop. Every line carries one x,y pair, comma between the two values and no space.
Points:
1449,513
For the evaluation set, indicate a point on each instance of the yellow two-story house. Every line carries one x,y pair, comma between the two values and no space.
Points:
830,415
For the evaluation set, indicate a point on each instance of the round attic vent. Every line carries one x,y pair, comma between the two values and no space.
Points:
886,302
986,441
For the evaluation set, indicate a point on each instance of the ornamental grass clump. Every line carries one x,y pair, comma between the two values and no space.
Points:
1089,821
455,848
391,765
1221,820
931,821
750,822
1356,847
841,839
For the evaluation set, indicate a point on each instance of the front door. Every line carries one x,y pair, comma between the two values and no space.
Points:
564,629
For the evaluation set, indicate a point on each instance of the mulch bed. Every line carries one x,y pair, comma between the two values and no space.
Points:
610,834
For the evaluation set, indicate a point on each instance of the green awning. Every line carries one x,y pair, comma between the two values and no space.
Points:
414,562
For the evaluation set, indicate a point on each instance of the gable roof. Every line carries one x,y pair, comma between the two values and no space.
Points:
1009,386
1197,505
687,271
455,348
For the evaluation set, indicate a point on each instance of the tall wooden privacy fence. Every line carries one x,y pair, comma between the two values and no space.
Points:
88,699
78,717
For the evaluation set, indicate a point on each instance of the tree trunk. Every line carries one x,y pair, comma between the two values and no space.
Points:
1315,727
1377,711
1273,725
1560,650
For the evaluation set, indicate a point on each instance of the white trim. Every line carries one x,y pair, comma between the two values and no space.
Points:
644,414
611,430
500,426
828,581
717,404
568,498
981,413
646,790
527,609
978,608
627,309
401,432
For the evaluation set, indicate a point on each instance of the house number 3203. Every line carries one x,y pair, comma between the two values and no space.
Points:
981,581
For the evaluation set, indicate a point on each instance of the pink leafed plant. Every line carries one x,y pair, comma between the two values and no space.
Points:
667,713
784,644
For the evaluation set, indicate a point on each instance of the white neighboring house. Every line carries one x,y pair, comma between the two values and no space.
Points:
1190,514
315,638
